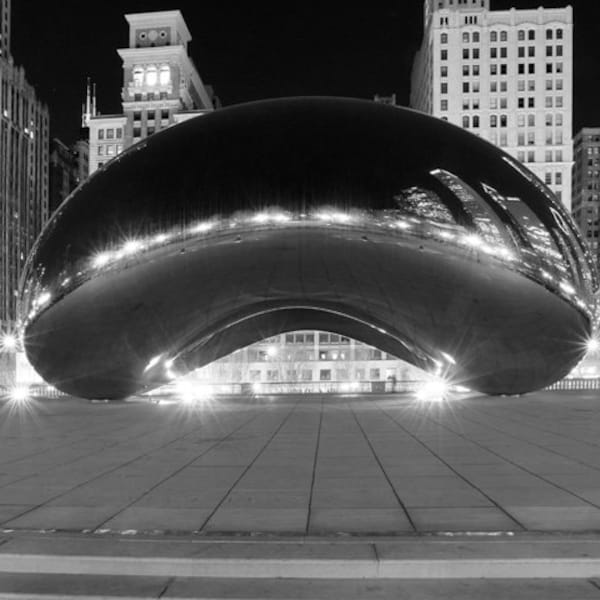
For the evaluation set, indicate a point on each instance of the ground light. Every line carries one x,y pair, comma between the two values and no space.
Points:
593,345
433,391
8,341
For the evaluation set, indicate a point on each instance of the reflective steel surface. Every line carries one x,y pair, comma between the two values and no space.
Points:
371,221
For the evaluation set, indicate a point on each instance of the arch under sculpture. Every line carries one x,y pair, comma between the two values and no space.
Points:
371,221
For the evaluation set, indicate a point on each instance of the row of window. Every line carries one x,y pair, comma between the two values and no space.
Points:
502,36
110,133
109,149
151,75
307,375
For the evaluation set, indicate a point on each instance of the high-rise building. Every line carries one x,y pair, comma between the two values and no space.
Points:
586,187
24,142
505,75
161,86
4,28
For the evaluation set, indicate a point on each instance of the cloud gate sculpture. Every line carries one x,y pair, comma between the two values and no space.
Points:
371,221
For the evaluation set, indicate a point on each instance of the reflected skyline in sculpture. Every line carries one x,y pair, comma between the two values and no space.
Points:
371,221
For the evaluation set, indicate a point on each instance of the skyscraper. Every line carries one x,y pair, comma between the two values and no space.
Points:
24,142
586,187
4,28
161,86
505,75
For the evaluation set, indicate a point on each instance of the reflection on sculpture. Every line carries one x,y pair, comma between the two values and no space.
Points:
375,222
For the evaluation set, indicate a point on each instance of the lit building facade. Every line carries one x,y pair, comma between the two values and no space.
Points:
506,75
24,194
310,361
586,187
161,86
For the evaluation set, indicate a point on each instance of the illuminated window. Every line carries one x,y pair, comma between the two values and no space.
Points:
151,76
165,75
138,76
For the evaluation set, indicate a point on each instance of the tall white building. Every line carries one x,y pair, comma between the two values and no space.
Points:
161,86
506,75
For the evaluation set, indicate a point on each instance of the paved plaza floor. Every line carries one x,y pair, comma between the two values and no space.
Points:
303,466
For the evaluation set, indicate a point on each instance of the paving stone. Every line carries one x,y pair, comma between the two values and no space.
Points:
462,519
252,520
147,519
358,520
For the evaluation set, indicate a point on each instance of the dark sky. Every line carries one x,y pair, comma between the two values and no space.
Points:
251,50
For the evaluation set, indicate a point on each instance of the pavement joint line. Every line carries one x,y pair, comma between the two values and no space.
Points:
116,468
510,461
457,473
173,473
314,470
252,462
387,478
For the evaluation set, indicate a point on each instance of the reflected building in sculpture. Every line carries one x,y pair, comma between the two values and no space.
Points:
364,220
506,75
161,86
586,187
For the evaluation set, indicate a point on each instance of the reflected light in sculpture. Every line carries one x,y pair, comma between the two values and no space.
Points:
370,221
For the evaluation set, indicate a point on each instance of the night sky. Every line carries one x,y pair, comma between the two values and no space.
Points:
251,50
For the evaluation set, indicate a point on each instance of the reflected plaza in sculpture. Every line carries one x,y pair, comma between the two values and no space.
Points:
375,222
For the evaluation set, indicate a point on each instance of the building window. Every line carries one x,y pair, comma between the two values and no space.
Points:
493,52
531,34
559,34
521,52
548,84
138,76
503,121
444,105
476,70
558,68
503,52
503,36
444,38
548,101
531,51
444,71
531,156
444,54
466,70
559,120
444,88
548,50
110,134
531,138
151,76
559,50
531,120
531,68
493,36
559,101
465,53
521,35
465,37
548,178
475,53
493,121
476,37
520,120
558,179
475,121
465,87
549,34
548,155
165,75
465,122
100,150
100,134
521,103
521,85
530,102
325,375
119,132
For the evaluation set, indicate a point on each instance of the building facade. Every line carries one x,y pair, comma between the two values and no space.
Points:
309,361
586,186
24,193
161,86
505,75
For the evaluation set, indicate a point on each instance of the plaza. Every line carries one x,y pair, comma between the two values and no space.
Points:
308,491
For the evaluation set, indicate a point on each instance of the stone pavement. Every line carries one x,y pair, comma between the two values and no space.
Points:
302,465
